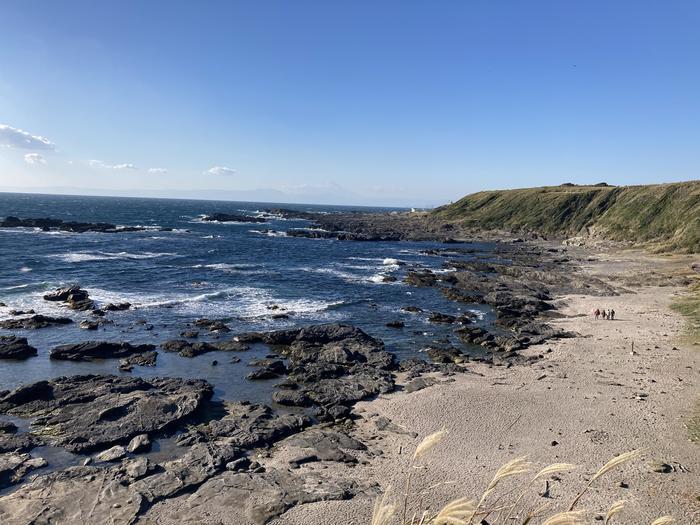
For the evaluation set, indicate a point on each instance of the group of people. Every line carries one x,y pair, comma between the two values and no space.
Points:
602,314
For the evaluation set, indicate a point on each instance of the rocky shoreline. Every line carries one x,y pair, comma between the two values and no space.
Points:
323,371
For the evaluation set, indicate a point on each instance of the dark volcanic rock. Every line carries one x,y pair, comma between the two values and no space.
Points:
421,279
22,312
437,317
13,347
270,369
395,324
47,224
7,427
247,426
455,294
75,297
34,322
228,217
19,442
193,349
416,367
142,359
90,412
412,309
187,348
212,325
329,365
446,355
87,324
118,307
89,350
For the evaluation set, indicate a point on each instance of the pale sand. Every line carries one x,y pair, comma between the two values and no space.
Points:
588,403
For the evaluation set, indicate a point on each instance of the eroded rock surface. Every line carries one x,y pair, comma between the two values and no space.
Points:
330,366
13,466
89,412
247,425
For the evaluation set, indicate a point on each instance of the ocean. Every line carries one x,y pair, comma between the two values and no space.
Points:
235,272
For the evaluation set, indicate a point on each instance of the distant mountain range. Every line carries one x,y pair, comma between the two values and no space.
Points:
307,195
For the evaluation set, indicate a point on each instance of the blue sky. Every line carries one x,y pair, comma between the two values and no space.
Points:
368,101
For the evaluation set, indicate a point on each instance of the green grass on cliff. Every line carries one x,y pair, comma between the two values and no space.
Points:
666,216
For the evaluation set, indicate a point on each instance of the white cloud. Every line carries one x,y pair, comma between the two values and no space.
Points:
17,138
221,170
157,170
34,158
101,164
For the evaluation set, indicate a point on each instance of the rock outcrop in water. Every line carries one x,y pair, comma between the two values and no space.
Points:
34,322
47,224
330,366
73,296
232,217
192,349
85,413
13,347
89,350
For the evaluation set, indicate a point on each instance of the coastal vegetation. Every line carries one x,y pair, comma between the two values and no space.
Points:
510,506
664,217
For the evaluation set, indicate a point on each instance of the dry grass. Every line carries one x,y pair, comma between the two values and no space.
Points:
512,506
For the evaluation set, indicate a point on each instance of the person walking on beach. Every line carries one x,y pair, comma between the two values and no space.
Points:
596,313
612,314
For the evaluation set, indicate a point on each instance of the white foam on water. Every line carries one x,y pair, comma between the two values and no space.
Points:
241,301
76,257
25,269
345,276
17,287
270,233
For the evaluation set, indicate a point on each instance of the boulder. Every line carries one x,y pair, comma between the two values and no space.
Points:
142,359
13,347
75,297
446,355
115,453
140,443
212,325
437,317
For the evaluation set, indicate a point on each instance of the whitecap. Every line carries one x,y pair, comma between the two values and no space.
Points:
269,233
76,257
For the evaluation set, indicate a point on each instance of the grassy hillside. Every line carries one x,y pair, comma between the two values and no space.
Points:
665,215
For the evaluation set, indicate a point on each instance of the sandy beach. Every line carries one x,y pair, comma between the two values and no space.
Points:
626,384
